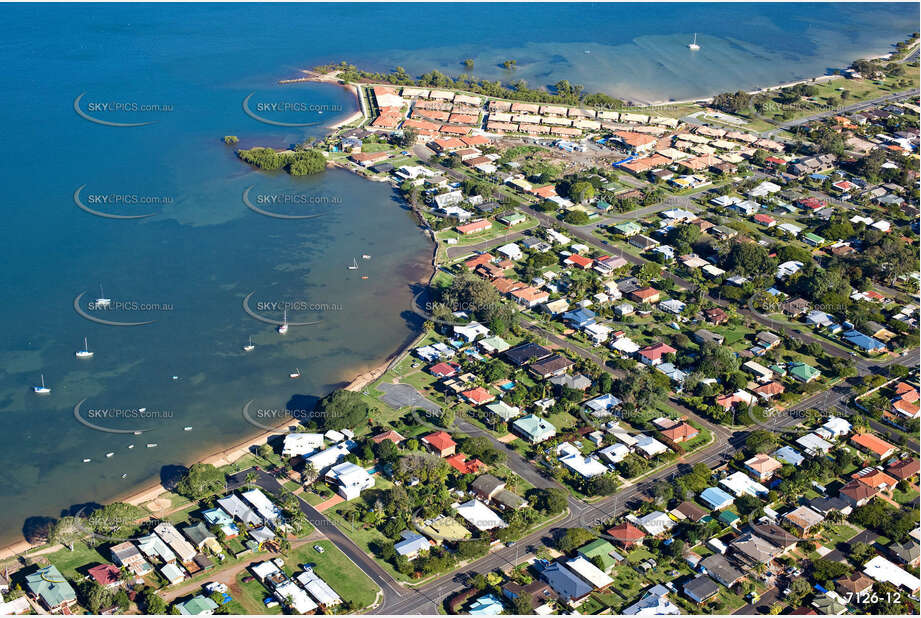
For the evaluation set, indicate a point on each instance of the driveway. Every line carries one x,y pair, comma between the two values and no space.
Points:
403,395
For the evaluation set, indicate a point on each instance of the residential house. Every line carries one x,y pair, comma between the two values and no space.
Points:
762,466
626,535
534,429
701,589
873,445
440,443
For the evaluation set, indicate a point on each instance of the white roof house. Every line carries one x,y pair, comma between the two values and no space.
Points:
479,515
176,541
654,602
673,305
264,570
882,570
558,238
572,458
412,544
649,445
469,332
739,484
265,507
602,405
655,523
321,460
790,228
813,444
238,509
301,444
318,589
625,345
589,572
350,479
295,597
837,426
512,251
448,199
621,434
153,546
599,333
614,453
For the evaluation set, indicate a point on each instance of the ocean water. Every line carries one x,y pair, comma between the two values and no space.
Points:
188,267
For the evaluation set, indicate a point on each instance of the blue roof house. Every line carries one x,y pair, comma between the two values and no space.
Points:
568,585
863,342
716,498
579,318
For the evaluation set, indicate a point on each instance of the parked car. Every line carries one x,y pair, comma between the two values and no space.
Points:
319,549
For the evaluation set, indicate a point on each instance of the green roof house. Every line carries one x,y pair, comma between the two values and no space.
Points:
50,588
511,219
803,372
728,517
493,345
603,551
628,228
813,240
197,606
534,429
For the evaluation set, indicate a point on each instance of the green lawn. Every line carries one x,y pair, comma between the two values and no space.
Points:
68,561
337,570
251,596
909,497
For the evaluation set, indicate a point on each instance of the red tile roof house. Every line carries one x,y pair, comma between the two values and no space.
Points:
444,370
857,493
106,575
446,144
459,462
652,354
626,534
765,220
367,159
530,297
762,466
581,262
482,259
682,432
873,445
474,227
477,396
440,443
766,391
811,203
877,479
545,192
646,295
391,435
716,316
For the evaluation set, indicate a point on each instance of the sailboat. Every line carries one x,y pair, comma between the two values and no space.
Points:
102,302
295,375
354,265
249,347
42,390
87,460
284,325
85,352
365,256
693,46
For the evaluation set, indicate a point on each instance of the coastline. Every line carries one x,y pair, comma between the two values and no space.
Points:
147,495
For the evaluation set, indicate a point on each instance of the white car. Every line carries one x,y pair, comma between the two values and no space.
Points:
319,549
212,587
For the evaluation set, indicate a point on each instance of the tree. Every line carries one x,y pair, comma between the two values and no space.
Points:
576,217
582,191
200,481
306,162
230,140
468,64
341,409
552,500
265,451
152,603
827,570
68,531
760,441
574,538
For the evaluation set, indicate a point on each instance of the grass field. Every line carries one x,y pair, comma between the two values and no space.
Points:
349,581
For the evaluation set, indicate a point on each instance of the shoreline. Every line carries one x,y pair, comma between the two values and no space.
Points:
151,492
